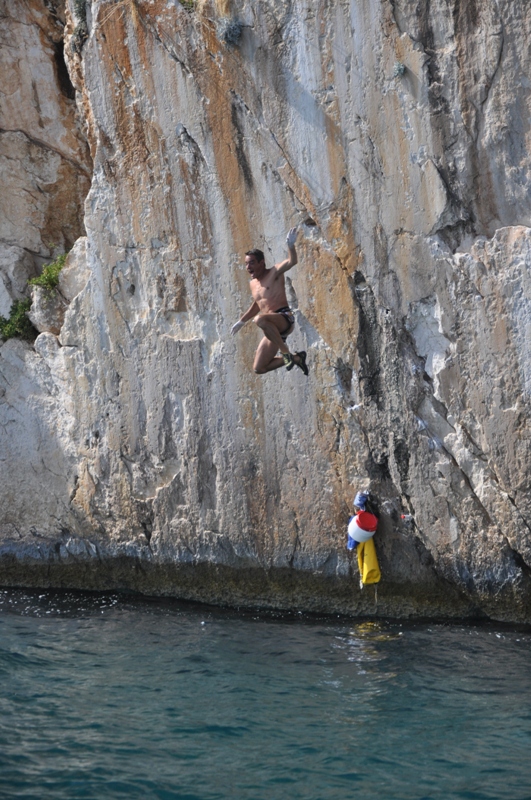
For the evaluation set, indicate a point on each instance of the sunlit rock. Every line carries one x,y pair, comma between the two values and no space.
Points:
161,462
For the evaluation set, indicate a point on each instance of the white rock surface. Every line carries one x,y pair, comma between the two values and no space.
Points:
161,462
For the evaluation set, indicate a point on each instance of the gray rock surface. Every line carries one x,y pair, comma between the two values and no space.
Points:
47,312
45,166
396,135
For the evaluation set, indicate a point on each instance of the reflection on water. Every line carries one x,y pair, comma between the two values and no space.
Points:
105,697
360,646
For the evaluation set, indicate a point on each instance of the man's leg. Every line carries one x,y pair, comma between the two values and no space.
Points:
264,360
271,325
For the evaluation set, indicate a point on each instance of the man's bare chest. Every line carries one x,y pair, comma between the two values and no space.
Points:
267,288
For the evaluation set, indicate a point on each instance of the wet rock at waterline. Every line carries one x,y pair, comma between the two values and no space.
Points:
139,449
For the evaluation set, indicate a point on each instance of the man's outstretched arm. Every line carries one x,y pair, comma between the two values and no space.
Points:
290,262
251,312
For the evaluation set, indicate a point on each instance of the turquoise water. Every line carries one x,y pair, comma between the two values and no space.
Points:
104,697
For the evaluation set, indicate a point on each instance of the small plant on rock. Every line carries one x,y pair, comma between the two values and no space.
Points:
49,277
18,323
189,5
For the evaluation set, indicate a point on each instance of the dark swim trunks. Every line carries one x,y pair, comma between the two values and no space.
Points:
288,315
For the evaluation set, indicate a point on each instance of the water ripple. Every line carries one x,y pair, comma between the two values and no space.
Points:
105,697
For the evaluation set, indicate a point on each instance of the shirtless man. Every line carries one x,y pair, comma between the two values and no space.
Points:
270,311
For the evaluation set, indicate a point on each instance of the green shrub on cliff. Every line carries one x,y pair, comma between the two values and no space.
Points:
18,323
49,277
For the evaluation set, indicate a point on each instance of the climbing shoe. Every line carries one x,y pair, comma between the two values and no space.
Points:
289,363
301,364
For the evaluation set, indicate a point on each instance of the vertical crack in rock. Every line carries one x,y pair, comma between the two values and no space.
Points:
63,77
368,343
241,155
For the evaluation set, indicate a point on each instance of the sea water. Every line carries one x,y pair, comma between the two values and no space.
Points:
106,697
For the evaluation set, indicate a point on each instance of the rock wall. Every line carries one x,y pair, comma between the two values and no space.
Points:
45,166
140,450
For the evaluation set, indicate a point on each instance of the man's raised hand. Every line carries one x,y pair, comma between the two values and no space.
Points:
291,238
236,327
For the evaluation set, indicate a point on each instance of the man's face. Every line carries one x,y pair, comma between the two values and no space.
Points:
253,266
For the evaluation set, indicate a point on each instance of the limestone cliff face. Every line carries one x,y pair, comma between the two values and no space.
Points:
139,449
44,161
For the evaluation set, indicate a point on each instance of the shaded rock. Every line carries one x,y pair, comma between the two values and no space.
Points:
17,266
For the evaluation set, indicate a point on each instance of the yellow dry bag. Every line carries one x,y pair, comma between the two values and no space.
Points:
368,562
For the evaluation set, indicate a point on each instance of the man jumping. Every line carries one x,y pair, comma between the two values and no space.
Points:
270,311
